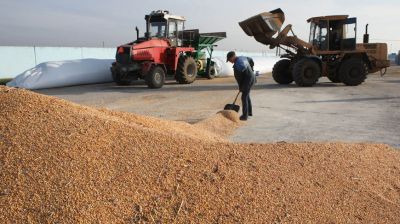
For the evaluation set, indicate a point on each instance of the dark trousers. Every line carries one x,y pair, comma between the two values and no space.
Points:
246,103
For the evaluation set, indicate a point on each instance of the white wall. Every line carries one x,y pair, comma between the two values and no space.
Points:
16,60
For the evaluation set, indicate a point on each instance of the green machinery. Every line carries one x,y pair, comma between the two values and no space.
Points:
204,44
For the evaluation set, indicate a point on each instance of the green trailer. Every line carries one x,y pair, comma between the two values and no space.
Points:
204,44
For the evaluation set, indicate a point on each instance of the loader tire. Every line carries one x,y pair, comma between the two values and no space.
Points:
186,70
155,78
353,72
334,78
306,72
282,73
333,75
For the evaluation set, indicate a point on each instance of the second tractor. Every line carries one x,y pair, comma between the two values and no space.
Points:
332,50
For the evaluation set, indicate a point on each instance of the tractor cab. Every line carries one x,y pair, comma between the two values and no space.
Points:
333,33
162,25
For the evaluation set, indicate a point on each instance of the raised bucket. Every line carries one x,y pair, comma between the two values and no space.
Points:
264,25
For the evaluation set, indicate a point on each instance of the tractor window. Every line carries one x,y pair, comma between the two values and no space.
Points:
349,34
312,33
172,34
350,31
319,35
158,29
172,29
181,27
335,34
322,35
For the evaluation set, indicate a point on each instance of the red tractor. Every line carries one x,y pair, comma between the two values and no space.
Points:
167,48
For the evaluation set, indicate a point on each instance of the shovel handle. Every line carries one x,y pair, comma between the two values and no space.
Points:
234,102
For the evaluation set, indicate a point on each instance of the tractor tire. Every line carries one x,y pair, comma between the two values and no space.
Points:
211,72
334,78
353,72
306,72
200,65
333,75
186,70
281,72
155,78
116,76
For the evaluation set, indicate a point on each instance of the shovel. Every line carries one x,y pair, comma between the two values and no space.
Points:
233,106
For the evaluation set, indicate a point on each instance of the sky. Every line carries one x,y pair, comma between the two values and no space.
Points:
90,23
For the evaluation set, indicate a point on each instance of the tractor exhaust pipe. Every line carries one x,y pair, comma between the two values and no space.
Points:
137,33
366,35
147,34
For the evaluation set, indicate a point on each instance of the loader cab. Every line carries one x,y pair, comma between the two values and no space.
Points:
162,25
333,33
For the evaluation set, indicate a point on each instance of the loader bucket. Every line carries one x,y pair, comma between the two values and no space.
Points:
264,25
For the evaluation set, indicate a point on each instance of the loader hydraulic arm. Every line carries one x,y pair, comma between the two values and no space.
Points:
290,41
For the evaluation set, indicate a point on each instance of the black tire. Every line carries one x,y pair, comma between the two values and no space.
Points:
306,72
116,76
334,77
211,72
353,72
186,70
282,73
155,78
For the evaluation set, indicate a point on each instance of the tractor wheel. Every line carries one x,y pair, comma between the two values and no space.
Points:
281,72
306,72
334,78
155,78
333,75
200,65
116,76
186,70
353,72
211,72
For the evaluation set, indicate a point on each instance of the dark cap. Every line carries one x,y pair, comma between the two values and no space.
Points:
229,55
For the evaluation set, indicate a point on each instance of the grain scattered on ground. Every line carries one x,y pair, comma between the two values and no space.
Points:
64,163
224,123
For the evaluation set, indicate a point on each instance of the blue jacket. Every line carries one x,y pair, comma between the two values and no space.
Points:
244,74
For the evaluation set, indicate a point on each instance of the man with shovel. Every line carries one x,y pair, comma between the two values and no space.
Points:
244,75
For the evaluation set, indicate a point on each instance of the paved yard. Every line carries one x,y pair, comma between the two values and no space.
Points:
325,112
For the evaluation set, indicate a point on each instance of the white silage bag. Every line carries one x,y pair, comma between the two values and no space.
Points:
64,73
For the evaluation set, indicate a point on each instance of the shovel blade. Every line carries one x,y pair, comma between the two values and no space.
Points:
233,107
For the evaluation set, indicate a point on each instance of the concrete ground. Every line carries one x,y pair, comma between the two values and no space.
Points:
325,112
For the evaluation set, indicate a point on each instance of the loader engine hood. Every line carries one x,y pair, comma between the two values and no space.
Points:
264,25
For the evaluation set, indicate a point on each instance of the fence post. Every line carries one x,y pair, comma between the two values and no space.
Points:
34,52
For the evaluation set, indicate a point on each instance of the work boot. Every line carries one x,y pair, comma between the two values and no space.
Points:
250,114
243,118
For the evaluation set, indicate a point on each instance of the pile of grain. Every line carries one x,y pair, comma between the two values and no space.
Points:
223,124
65,163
